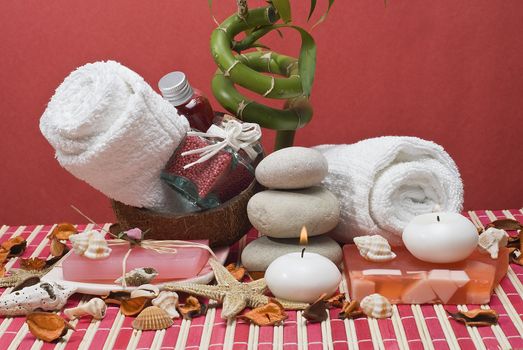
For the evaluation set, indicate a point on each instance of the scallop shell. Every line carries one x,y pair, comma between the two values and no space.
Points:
152,318
91,244
374,248
95,307
139,276
146,290
46,296
491,240
168,302
376,305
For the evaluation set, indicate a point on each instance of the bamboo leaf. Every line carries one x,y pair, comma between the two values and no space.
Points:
311,11
284,9
324,16
307,59
209,2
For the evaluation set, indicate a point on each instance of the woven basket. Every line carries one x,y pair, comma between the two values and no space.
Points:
222,226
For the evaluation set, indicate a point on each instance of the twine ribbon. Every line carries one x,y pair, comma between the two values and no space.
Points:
162,247
234,135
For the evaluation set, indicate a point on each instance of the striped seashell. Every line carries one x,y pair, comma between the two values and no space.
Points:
168,302
138,276
376,305
152,318
91,244
491,240
374,248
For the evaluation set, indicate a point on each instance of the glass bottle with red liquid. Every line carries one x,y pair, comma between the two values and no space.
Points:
189,102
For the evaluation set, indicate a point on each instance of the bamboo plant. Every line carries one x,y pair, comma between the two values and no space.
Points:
294,78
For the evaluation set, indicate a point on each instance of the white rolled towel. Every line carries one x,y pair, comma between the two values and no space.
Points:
382,183
112,130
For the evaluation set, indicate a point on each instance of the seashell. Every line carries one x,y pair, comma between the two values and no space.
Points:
47,326
116,297
168,302
374,248
152,318
138,276
47,296
146,290
376,305
95,307
91,244
491,240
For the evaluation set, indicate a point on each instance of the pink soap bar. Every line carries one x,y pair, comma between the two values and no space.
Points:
187,262
408,280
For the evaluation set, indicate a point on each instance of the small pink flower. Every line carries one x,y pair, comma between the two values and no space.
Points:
134,233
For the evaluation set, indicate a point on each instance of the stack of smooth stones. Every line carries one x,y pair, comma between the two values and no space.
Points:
294,199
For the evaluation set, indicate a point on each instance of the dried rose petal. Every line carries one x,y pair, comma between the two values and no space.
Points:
35,264
192,308
269,314
14,246
57,248
3,255
63,231
317,311
47,326
2,270
238,272
351,309
506,224
476,317
133,306
116,297
336,301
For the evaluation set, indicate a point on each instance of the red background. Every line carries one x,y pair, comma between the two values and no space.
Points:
449,71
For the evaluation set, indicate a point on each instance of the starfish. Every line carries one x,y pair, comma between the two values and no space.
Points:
233,295
19,275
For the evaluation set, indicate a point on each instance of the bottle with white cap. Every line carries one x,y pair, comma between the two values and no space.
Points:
189,102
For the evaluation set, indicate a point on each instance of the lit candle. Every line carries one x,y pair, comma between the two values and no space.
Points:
302,276
440,237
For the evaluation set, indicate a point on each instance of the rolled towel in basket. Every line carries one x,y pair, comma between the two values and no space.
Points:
110,129
382,183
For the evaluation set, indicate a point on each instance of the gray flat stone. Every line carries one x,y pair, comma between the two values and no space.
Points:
258,254
282,214
292,168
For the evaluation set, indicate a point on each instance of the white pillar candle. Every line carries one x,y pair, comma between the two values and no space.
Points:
302,278
440,237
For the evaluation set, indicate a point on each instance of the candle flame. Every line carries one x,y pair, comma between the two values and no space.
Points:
303,236
436,208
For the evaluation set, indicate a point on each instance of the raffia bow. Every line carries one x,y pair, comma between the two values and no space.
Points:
162,247
235,135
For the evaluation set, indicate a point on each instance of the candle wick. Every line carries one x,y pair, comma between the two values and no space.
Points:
302,251
437,217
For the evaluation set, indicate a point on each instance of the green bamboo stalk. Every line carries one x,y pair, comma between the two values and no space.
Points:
284,138
221,39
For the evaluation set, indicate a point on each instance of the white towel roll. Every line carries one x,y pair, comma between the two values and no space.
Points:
382,183
110,129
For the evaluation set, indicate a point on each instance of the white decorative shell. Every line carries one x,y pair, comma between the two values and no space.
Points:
374,248
91,244
168,302
145,290
491,240
376,305
95,307
152,318
48,296
139,276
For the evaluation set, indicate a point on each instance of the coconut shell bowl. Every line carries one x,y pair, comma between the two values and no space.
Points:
222,225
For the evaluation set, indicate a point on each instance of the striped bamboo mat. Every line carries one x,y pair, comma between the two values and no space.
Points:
411,327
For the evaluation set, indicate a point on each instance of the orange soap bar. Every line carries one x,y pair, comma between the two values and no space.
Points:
408,280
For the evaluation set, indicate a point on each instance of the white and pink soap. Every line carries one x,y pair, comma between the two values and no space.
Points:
186,263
